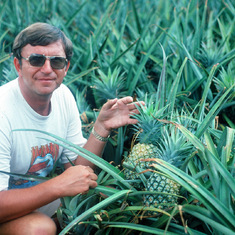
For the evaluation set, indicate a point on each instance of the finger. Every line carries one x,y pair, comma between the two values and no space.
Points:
132,121
126,100
139,104
110,103
93,184
89,169
93,176
133,112
132,106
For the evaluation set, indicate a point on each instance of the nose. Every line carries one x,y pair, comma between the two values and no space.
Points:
46,68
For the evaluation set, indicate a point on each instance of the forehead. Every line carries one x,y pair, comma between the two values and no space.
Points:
53,49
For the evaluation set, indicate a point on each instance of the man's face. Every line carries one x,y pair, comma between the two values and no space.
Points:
40,81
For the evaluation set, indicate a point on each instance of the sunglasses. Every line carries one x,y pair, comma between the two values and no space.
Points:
38,60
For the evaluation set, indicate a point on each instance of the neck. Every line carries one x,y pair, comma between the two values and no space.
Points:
42,109
41,106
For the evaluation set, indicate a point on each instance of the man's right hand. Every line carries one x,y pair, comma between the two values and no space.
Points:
75,180
19,202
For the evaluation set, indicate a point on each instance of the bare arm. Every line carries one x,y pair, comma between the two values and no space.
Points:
114,114
18,202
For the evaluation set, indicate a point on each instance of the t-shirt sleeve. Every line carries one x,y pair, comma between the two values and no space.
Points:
5,151
74,130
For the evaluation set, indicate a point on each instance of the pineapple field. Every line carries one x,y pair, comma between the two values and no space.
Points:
174,171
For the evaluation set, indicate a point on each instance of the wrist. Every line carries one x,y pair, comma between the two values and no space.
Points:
100,133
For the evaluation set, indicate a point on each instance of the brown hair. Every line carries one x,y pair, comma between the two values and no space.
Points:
41,34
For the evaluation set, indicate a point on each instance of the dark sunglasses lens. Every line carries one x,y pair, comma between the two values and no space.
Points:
37,60
58,62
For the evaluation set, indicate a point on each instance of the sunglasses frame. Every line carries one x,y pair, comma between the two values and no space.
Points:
45,57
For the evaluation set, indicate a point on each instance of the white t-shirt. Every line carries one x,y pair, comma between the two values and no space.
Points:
30,152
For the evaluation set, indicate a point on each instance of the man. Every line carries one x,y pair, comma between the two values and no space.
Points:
37,99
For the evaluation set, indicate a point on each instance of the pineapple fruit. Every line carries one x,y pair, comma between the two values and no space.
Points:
161,183
147,134
139,152
174,149
156,140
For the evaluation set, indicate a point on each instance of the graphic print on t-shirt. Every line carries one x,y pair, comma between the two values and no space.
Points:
42,163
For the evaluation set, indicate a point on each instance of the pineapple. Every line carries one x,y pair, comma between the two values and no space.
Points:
161,183
156,140
174,149
147,135
139,151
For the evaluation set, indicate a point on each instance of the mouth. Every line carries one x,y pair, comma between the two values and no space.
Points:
46,82
46,79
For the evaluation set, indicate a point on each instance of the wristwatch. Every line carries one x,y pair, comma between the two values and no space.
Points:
98,137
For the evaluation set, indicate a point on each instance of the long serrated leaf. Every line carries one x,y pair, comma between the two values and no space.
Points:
173,92
90,211
139,227
123,53
201,112
101,163
162,82
193,65
222,170
27,177
70,21
200,214
212,113
200,192
83,73
140,68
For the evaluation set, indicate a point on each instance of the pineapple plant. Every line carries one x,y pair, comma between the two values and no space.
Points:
223,82
210,54
108,38
173,148
147,132
108,86
157,141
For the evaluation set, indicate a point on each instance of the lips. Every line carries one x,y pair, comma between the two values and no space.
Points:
46,79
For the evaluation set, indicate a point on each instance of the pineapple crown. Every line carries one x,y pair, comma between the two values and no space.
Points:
148,132
226,78
173,146
210,53
109,85
148,128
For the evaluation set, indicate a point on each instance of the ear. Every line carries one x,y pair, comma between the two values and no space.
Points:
67,68
17,65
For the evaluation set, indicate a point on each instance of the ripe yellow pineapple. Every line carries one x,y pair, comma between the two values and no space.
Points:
157,140
147,131
174,149
139,152
161,183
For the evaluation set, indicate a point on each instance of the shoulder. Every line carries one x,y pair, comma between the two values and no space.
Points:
9,94
63,90
8,88
63,96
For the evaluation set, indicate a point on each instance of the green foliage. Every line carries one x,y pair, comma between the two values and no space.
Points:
180,52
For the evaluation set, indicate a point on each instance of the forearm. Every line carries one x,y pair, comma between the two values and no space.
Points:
18,202
115,113
94,145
